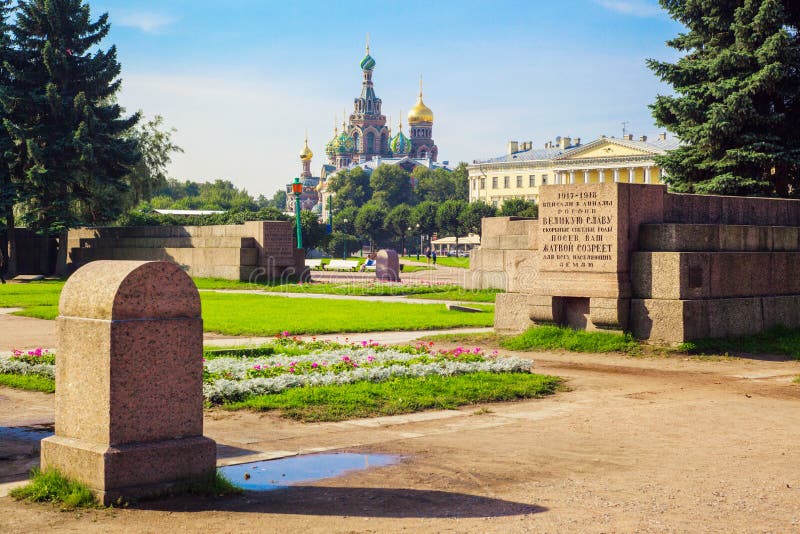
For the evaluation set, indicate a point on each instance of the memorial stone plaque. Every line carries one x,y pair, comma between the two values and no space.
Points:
578,229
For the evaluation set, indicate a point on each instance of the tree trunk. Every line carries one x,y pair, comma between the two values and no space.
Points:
11,256
61,258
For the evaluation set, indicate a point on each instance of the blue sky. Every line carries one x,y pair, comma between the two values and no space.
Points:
242,80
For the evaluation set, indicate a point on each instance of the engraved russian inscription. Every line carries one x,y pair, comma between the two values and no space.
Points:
578,231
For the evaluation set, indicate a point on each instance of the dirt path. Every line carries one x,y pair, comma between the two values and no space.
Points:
647,445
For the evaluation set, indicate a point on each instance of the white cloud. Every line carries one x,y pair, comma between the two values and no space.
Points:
145,21
636,8
235,125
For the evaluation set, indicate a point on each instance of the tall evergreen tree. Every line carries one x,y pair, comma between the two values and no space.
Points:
8,190
74,153
737,101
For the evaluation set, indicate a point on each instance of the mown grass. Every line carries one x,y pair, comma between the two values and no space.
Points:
781,340
797,380
463,295
400,395
446,261
557,337
29,382
363,289
39,299
52,486
260,315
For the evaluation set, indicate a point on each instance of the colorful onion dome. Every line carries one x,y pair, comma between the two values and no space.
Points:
368,63
306,153
345,144
333,144
400,144
420,112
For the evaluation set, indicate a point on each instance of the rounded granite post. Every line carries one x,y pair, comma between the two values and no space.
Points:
129,381
387,266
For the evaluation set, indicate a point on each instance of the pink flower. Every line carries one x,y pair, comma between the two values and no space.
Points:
314,365
370,358
285,333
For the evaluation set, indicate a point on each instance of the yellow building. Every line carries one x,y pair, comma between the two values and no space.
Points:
520,172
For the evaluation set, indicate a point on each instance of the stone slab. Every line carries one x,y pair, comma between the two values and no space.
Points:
512,313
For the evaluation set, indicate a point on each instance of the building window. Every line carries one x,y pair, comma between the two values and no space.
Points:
544,179
494,203
370,148
519,181
506,182
483,183
531,181
494,182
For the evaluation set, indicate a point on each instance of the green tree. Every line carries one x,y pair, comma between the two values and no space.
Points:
350,188
150,172
8,189
519,207
314,234
398,223
62,110
424,215
369,222
349,214
279,199
341,242
474,214
460,179
736,105
391,184
449,218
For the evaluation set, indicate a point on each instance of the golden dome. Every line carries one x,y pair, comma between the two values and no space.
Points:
306,154
420,112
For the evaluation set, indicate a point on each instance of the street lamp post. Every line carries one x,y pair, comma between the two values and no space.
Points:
330,217
344,242
297,189
420,241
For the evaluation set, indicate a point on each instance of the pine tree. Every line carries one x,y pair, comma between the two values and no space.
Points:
737,101
8,192
62,114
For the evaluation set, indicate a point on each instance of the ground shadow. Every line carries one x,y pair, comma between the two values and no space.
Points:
357,502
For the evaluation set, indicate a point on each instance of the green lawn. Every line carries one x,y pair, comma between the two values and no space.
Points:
372,289
780,340
29,382
452,261
557,337
258,314
461,294
242,314
400,395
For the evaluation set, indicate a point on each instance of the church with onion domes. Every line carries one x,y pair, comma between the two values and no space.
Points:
365,140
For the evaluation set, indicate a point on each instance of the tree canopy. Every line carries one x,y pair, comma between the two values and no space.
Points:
737,97
73,152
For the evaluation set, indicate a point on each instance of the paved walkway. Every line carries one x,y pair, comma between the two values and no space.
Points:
370,298
438,275
29,333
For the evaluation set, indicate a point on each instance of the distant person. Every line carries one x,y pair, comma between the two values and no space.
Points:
2,267
427,254
433,256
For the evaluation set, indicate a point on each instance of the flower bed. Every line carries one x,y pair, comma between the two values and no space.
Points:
33,362
232,375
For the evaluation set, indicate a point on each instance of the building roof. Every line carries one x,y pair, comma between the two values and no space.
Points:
471,239
657,145
188,212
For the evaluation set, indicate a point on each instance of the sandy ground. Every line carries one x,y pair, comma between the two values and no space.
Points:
636,445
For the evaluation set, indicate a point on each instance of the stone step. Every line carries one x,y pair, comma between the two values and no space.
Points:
718,238
168,242
211,256
704,275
